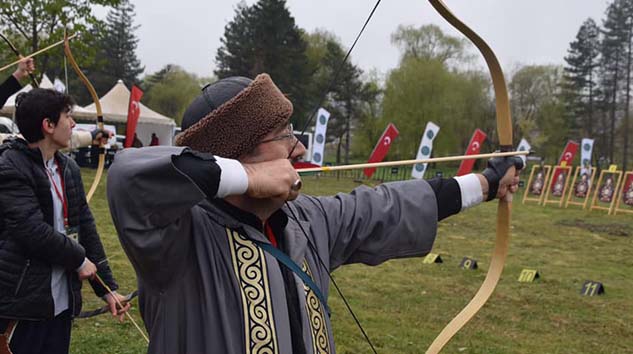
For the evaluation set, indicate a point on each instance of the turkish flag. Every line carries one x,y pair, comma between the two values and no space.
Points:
566,158
473,149
133,112
382,148
568,154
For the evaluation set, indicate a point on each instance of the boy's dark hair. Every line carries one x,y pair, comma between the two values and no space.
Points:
32,107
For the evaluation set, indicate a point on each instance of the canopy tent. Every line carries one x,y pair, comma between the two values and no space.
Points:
115,106
9,107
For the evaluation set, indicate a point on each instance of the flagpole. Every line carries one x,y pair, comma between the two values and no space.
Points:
412,162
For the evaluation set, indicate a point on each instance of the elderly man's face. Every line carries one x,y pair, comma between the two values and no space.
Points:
278,144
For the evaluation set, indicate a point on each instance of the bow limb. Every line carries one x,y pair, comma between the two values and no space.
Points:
95,98
106,308
504,131
17,52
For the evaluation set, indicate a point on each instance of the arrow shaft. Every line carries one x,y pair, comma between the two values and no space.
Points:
411,162
36,53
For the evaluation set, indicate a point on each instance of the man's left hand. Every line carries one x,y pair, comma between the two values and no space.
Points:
100,136
501,177
115,310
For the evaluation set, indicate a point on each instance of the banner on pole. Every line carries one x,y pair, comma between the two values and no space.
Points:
133,112
382,148
318,145
524,146
474,147
585,155
425,149
566,159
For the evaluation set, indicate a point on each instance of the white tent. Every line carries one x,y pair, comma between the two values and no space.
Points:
115,106
9,106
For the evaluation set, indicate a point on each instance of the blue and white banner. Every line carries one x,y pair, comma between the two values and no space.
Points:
318,145
524,146
585,155
426,147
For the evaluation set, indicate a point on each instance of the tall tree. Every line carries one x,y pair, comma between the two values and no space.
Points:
346,97
171,90
612,60
431,43
117,50
628,25
264,38
580,77
538,108
423,90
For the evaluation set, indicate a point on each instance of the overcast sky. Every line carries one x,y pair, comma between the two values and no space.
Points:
188,32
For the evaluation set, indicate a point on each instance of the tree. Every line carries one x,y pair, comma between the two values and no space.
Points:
535,89
580,77
430,43
423,90
627,6
264,38
611,67
347,93
117,50
429,86
171,90
36,23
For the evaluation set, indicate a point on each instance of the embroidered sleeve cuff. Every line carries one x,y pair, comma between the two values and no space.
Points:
233,179
470,189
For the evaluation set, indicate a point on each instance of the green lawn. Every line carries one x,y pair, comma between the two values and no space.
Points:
404,304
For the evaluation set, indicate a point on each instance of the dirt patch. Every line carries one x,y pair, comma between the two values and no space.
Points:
613,229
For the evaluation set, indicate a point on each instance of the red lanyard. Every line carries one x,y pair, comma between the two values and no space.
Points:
60,194
270,234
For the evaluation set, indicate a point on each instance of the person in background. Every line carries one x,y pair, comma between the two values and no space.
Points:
154,141
48,239
12,84
226,247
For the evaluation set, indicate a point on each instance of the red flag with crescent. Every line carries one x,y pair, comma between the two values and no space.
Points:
382,148
474,147
566,158
133,112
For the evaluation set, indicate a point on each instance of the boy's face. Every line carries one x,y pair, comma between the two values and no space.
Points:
62,131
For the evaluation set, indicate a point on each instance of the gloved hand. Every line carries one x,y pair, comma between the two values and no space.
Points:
100,136
497,169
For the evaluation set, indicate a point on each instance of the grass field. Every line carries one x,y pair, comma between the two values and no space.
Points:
404,304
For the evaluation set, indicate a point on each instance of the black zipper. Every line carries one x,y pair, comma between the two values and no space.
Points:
26,267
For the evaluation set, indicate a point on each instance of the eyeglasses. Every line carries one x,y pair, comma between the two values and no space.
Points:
289,135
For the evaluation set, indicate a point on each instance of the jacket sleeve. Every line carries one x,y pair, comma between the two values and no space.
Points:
370,226
151,204
90,240
10,86
25,222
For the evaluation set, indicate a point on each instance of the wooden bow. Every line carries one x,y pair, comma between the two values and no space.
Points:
95,98
504,131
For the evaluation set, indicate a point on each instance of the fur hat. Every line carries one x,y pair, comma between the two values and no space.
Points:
233,115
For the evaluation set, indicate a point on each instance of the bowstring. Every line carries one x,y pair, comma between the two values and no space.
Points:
305,126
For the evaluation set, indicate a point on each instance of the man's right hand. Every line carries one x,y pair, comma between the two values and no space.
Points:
25,67
271,179
87,270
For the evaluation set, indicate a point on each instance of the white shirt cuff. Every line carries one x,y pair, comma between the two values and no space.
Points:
470,189
233,178
82,265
